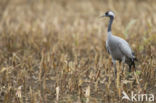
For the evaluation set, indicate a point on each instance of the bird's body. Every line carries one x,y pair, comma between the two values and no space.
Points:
117,47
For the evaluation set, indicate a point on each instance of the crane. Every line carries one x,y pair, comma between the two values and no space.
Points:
117,47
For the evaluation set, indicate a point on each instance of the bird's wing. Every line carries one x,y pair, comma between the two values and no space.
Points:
107,47
125,48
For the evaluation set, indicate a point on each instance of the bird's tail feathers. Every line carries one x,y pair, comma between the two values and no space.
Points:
134,57
132,63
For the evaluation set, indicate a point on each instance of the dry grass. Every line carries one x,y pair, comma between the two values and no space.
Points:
54,50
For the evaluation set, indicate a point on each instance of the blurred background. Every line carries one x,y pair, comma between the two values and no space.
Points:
48,46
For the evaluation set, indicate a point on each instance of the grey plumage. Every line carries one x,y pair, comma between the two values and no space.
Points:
117,47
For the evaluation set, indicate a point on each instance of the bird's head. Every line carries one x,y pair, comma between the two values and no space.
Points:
109,14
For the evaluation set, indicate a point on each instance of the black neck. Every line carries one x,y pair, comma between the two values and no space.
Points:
110,24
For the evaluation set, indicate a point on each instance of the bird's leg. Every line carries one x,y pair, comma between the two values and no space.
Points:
123,61
129,68
114,65
118,79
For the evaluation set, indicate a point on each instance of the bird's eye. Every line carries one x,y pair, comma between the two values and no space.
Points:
106,13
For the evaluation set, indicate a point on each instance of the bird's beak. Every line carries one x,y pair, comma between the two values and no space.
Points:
102,16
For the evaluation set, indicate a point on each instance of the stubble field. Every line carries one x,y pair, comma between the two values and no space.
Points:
54,50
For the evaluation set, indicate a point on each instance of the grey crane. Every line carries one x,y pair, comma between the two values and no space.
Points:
117,47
